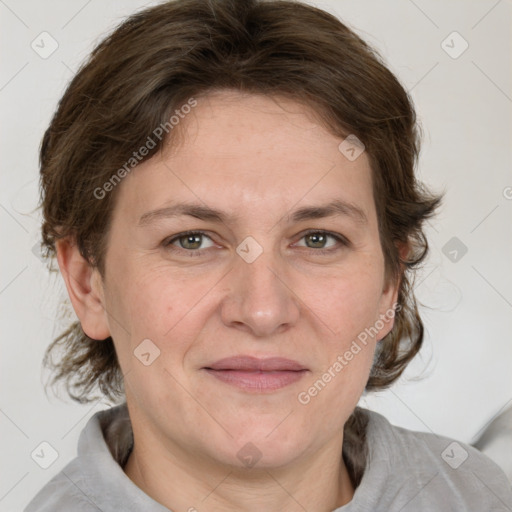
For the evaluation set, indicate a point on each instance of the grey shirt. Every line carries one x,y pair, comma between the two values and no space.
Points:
407,472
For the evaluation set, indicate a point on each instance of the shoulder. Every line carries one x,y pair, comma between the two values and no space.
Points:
425,469
67,491
95,479
87,482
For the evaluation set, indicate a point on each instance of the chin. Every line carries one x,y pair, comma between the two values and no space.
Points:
260,451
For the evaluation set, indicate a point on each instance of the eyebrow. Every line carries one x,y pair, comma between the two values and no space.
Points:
334,208
337,207
193,210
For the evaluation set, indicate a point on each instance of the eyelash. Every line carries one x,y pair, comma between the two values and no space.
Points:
168,242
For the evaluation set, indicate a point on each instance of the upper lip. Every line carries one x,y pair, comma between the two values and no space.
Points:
249,363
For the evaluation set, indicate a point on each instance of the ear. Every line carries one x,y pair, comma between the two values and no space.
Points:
85,289
389,296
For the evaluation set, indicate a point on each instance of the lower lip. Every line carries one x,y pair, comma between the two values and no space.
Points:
258,381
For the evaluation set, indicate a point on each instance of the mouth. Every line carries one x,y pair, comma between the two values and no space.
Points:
257,375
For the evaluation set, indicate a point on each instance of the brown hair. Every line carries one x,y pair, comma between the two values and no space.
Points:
161,57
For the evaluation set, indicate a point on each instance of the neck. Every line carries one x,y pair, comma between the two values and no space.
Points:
181,481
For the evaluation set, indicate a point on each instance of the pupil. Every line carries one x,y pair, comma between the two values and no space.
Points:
317,240
191,241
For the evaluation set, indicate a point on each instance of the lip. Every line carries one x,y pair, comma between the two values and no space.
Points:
257,375
248,363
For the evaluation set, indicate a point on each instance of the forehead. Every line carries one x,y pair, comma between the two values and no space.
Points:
234,125
254,151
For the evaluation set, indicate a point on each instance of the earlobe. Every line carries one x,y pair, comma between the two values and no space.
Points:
85,289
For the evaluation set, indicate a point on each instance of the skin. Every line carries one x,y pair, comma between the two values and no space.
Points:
257,159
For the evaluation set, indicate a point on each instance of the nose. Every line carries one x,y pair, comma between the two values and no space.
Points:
259,300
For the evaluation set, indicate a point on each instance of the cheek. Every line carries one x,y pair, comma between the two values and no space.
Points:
149,299
140,308
163,306
150,344
347,306
334,389
346,303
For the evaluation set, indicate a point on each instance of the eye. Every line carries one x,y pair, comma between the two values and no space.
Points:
322,240
191,241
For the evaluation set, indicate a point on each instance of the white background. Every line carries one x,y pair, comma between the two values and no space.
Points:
463,377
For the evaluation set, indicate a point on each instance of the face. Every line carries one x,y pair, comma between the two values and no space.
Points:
248,258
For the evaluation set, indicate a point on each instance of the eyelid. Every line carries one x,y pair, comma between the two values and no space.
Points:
169,242
337,236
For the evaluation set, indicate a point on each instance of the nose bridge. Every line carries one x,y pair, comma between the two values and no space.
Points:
259,299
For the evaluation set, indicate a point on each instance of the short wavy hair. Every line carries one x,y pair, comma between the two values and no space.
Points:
161,57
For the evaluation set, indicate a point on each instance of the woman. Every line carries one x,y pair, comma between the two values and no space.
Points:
228,187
